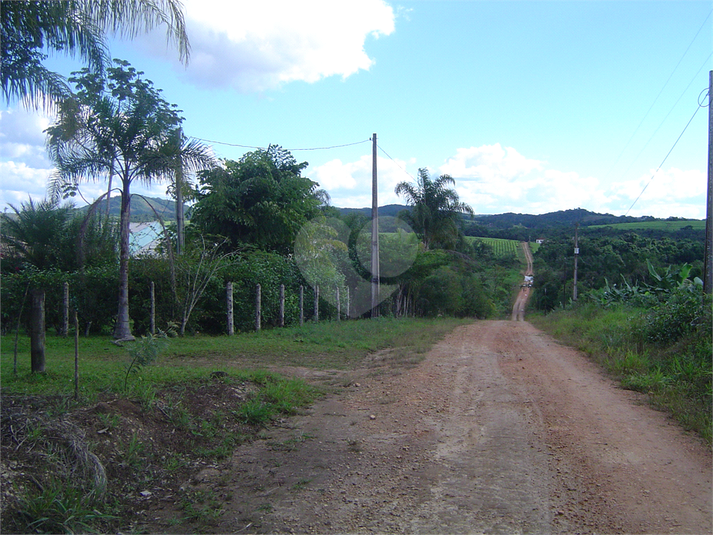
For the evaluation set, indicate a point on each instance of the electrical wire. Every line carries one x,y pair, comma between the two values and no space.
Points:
265,148
669,152
397,163
660,92
668,114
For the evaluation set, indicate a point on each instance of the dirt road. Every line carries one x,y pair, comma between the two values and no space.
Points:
498,430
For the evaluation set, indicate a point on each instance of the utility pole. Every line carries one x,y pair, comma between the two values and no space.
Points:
576,256
708,260
374,234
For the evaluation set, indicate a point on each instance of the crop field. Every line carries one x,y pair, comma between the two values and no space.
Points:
502,247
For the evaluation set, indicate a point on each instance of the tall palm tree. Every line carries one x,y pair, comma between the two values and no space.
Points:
78,28
435,208
122,126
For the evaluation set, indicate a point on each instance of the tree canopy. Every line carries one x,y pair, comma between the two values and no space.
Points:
435,209
78,28
261,200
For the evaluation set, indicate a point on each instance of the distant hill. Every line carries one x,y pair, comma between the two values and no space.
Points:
141,210
388,210
495,225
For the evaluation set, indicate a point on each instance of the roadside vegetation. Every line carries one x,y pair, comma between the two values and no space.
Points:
654,338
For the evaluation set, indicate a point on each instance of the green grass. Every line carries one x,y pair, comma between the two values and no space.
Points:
102,364
670,226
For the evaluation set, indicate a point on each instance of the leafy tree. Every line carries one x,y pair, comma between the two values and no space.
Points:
261,200
118,124
435,209
77,28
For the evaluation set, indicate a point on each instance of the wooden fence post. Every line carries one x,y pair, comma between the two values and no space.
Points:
258,308
76,355
65,309
339,307
152,292
229,300
316,303
282,305
302,305
37,332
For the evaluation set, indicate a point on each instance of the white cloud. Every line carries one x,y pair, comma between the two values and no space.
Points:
496,179
256,46
349,184
670,192
22,137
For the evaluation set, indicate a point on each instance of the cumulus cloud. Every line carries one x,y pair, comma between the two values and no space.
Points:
22,137
257,46
664,193
495,179
349,183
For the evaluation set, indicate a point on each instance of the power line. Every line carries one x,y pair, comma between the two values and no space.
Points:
667,115
397,163
265,148
659,94
668,154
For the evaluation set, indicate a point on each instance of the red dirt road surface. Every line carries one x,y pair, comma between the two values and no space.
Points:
499,430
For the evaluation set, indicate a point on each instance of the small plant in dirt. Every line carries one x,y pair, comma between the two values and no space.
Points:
144,352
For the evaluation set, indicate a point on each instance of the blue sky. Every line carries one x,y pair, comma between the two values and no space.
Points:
531,106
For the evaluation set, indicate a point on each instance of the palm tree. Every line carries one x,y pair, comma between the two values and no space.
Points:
435,209
122,126
79,29
188,155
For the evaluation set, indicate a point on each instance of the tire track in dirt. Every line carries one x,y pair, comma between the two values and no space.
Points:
499,430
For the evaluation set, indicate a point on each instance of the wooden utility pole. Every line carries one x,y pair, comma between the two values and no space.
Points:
708,261
374,233
576,256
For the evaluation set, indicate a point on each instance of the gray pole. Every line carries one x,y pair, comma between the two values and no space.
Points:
576,256
708,260
374,233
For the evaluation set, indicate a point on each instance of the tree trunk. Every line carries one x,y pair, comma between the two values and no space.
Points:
122,329
37,332
180,240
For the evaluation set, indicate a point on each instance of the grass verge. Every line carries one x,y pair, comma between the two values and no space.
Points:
676,376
